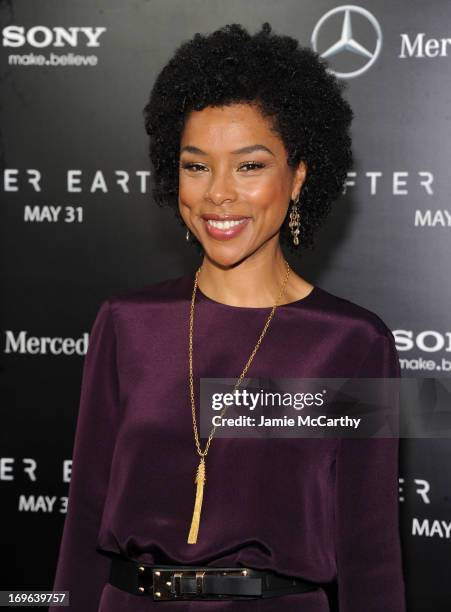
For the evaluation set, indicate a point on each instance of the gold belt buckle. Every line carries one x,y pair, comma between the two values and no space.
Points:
167,582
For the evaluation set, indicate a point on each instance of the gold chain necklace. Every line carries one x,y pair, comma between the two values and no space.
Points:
201,473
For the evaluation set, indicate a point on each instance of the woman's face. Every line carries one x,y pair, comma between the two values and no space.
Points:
233,165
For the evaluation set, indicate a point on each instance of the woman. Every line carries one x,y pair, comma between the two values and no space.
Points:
249,139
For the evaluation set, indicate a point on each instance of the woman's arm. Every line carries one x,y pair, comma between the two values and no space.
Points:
80,569
369,563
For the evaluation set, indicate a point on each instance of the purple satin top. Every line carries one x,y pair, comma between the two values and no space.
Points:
322,509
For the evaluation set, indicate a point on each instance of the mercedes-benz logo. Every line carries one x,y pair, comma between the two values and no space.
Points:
347,42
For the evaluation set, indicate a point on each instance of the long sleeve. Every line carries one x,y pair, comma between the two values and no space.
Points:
369,564
80,569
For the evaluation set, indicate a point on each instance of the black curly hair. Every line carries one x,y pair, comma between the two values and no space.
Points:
291,86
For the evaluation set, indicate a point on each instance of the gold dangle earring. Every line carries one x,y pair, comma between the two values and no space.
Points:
295,221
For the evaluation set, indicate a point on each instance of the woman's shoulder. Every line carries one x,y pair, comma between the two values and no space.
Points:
330,310
347,314
166,291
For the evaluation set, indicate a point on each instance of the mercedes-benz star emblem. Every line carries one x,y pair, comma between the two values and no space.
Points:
347,41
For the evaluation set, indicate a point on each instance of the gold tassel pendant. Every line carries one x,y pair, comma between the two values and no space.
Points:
200,481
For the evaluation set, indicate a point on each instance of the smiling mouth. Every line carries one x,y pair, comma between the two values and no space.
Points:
225,224
225,229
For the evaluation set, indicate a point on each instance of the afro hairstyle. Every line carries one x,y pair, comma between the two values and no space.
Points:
291,86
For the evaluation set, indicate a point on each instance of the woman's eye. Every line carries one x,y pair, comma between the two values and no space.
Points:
191,166
252,166
196,168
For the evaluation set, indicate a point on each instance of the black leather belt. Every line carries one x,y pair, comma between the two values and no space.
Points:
166,582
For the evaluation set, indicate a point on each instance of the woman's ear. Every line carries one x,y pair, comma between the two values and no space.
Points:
299,177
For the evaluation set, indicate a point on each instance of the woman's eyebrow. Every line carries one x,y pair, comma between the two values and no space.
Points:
249,149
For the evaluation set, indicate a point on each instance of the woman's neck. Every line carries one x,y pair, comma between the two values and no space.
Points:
254,282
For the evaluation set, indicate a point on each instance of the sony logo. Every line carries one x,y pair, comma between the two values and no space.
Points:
41,36
429,340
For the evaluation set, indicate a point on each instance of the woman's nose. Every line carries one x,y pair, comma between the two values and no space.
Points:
221,188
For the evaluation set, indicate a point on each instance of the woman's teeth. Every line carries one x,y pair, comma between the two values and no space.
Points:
225,224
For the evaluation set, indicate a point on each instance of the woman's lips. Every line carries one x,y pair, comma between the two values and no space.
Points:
226,233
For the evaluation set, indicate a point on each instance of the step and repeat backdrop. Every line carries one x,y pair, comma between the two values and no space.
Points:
78,225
